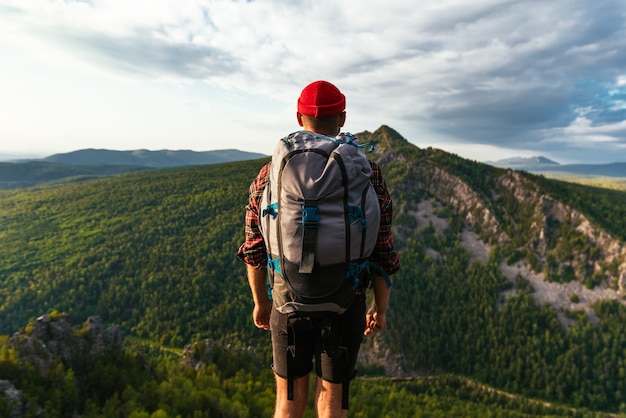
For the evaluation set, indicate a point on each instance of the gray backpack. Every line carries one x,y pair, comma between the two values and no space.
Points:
320,219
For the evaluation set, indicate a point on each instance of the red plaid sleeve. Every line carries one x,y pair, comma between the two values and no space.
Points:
252,251
384,254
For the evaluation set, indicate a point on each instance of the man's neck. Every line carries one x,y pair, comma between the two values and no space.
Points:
323,132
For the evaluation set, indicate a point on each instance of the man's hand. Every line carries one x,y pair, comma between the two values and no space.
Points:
374,321
261,315
262,304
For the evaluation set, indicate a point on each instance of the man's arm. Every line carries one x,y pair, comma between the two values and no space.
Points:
376,317
384,256
252,252
257,279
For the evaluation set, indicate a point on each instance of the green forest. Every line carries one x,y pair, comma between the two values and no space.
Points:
154,252
146,380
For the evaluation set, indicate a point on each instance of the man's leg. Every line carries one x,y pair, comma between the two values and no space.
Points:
328,399
286,408
336,359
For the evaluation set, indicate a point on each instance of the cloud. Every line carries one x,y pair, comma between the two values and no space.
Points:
507,73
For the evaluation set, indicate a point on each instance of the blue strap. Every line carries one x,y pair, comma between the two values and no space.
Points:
355,269
274,264
269,289
356,214
310,216
271,210
382,273
348,139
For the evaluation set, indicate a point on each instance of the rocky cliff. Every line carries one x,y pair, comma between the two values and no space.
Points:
51,337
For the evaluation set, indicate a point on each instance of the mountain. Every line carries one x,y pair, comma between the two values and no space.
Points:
510,279
91,163
529,164
545,165
146,158
608,170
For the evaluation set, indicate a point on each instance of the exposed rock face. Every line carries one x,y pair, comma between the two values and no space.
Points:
548,209
102,340
483,229
375,353
459,195
198,354
478,211
14,397
50,337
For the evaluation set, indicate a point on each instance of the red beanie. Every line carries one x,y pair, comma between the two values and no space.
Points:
320,99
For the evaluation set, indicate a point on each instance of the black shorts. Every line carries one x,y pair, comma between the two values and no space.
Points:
334,345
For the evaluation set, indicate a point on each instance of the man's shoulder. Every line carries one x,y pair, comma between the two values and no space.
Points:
264,173
260,181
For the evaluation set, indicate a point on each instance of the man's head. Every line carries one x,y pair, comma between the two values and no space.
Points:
321,108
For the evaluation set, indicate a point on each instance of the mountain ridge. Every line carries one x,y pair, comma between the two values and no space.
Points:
89,164
542,164
154,159
514,162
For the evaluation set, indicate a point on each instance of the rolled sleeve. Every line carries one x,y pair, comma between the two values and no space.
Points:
252,251
384,255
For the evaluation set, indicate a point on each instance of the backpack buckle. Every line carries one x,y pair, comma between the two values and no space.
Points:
310,216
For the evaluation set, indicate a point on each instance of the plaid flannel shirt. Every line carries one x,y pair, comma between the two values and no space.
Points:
253,251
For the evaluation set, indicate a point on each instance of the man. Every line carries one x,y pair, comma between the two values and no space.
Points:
321,111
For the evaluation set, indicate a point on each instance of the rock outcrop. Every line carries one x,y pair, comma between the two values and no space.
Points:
15,399
52,336
548,210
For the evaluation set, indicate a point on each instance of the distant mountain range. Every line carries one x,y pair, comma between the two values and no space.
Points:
91,163
156,159
543,164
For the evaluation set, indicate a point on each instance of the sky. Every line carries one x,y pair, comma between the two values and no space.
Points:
484,79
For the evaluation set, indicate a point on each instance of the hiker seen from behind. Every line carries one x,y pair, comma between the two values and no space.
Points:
317,235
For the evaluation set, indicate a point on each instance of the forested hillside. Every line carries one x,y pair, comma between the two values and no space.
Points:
29,174
512,279
208,379
153,252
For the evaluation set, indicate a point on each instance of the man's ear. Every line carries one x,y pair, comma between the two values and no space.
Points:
342,119
299,117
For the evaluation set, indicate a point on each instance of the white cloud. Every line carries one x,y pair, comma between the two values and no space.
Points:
583,126
503,73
